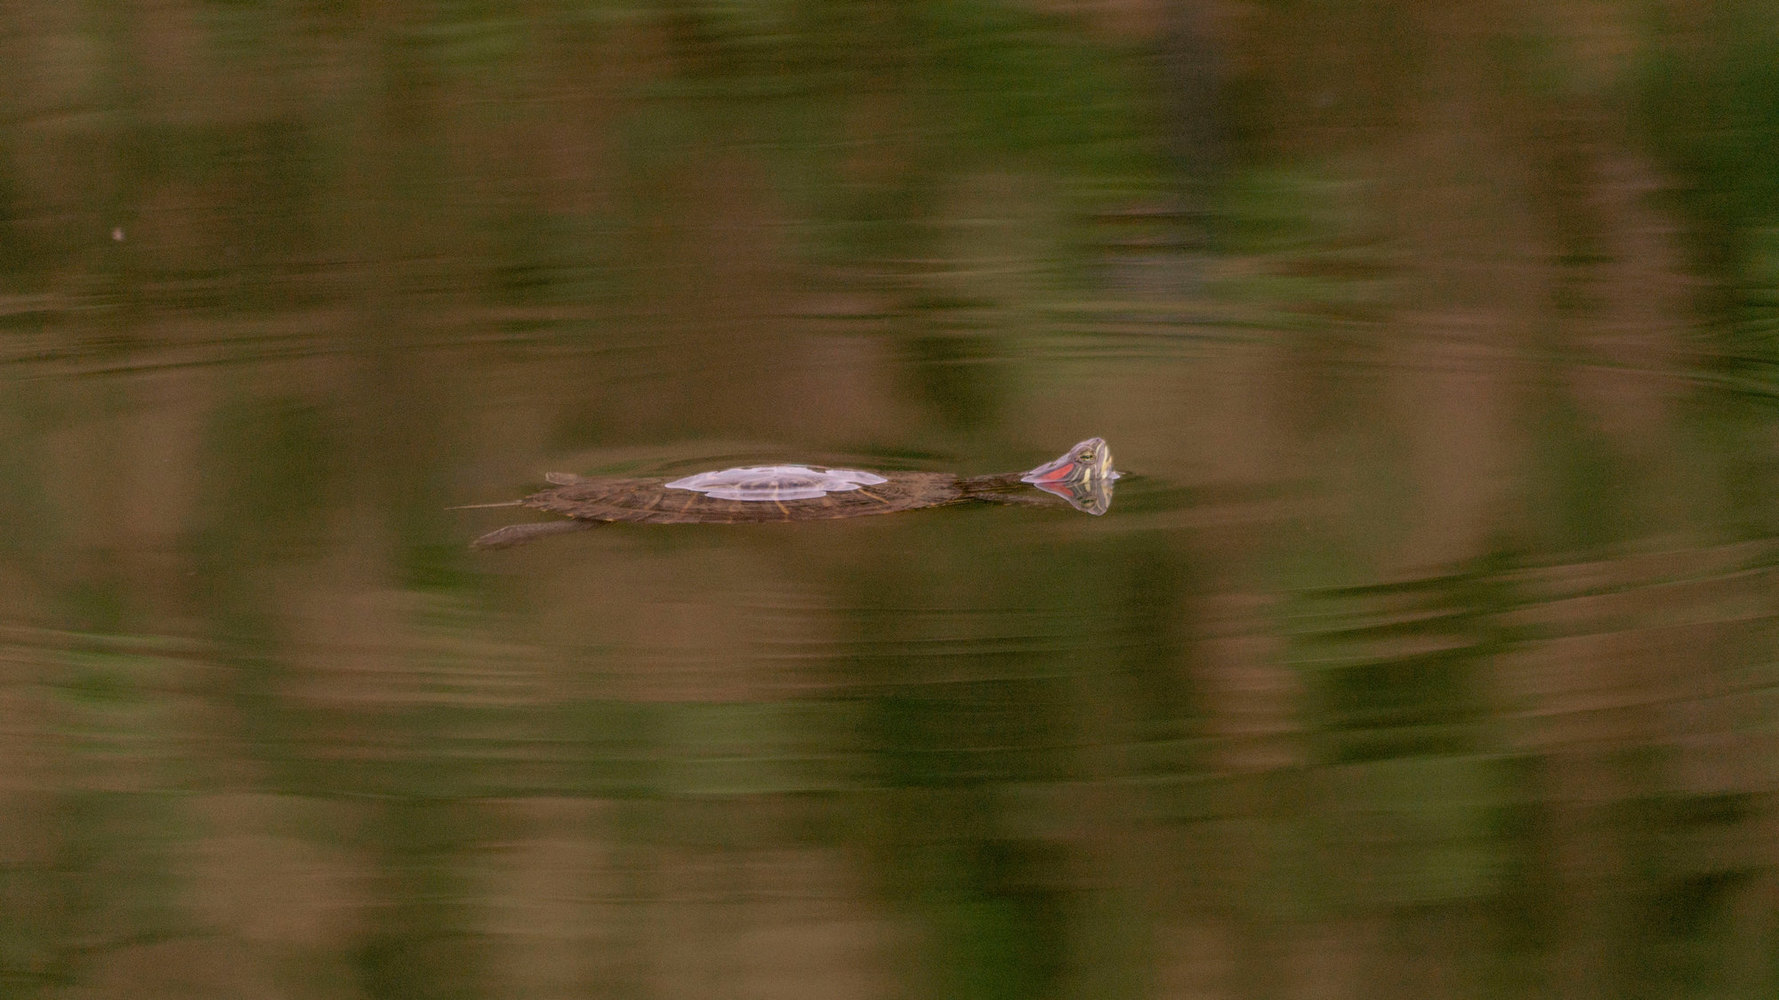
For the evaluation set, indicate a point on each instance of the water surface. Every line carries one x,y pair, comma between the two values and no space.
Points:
1427,649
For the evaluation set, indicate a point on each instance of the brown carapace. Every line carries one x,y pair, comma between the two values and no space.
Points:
1082,476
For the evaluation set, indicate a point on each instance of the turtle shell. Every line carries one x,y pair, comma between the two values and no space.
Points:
754,494
762,483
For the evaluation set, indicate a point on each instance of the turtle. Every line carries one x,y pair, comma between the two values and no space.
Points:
757,494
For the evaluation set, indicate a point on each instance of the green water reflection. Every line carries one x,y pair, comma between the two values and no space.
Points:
1429,650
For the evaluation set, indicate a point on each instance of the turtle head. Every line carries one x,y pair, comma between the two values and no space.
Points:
1082,475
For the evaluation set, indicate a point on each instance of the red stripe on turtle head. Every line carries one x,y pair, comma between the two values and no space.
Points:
1055,473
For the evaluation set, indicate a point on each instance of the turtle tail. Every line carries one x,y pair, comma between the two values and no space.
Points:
519,534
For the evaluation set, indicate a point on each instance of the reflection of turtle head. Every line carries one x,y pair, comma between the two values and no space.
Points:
1082,475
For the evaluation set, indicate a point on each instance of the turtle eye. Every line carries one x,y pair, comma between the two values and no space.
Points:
1086,456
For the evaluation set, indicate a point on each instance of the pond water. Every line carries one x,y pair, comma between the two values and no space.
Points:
1427,648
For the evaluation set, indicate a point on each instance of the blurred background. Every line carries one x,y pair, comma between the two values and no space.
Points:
1427,651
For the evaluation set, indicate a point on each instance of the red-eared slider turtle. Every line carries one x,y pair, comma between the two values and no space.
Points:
759,493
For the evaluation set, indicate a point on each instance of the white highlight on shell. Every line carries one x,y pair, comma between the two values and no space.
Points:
775,482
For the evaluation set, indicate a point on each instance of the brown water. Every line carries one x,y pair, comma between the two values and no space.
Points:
1427,649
